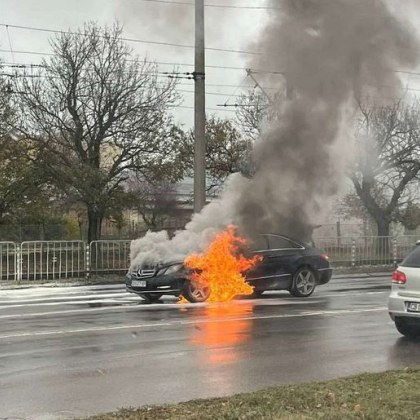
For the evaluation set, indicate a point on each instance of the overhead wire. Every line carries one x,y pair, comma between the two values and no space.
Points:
10,43
256,71
141,41
221,6
165,63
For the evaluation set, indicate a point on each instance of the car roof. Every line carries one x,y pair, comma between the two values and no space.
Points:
297,242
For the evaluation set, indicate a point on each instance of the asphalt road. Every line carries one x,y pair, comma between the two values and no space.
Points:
76,351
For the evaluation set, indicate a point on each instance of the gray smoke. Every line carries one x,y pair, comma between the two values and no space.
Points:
328,51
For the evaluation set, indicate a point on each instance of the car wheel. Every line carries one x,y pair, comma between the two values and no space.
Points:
195,292
406,329
304,282
151,298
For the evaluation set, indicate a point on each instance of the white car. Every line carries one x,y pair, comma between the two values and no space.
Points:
404,301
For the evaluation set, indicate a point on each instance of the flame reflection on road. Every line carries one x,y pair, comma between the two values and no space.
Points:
224,329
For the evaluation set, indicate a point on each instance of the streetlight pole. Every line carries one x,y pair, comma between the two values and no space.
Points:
199,111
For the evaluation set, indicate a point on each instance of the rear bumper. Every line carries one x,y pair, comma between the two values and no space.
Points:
397,306
324,275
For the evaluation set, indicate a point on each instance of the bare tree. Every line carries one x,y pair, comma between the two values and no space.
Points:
251,113
388,163
155,201
7,111
95,113
255,109
227,151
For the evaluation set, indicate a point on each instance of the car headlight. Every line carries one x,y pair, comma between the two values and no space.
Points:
171,269
133,269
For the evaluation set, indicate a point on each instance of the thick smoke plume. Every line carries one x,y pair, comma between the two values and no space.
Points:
328,52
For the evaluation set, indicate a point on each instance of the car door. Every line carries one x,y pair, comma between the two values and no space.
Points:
274,272
282,254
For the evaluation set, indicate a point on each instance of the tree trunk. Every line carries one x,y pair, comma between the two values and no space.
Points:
383,241
94,225
383,226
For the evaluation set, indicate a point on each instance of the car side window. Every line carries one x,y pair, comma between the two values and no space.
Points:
259,243
412,259
279,242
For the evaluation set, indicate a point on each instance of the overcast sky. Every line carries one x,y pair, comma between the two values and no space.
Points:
225,28
153,21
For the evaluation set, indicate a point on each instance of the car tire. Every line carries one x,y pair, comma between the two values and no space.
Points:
406,329
304,282
195,293
151,298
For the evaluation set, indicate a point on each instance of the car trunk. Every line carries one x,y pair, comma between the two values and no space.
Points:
412,285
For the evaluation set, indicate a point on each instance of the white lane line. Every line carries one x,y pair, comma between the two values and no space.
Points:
64,299
73,299
198,321
32,292
129,299
345,294
69,311
74,303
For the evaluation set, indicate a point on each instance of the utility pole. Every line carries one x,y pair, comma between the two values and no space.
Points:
199,111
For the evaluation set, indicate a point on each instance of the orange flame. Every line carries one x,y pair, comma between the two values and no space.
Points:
222,267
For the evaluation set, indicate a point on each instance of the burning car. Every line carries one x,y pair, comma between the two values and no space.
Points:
284,264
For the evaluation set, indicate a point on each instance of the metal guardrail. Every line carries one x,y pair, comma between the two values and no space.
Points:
51,260
8,261
55,260
108,256
367,250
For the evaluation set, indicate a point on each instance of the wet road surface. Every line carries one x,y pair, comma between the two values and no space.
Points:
76,351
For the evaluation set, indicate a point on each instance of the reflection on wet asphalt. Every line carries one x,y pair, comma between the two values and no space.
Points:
75,351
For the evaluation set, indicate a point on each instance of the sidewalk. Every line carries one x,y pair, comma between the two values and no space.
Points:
111,279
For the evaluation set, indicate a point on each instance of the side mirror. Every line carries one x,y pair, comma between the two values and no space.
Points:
417,243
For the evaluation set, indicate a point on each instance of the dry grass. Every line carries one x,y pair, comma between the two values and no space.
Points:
389,395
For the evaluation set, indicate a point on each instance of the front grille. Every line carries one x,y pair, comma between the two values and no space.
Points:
145,273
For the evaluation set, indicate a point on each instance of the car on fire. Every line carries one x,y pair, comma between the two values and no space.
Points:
286,265
404,300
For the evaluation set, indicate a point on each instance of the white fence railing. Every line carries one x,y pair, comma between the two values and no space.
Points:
108,256
51,260
8,261
55,260
367,250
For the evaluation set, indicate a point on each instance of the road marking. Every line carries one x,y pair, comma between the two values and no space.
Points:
61,299
344,294
197,321
131,302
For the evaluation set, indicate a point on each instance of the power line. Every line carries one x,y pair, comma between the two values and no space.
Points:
276,72
207,93
175,75
152,61
207,109
168,44
221,6
10,43
31,65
